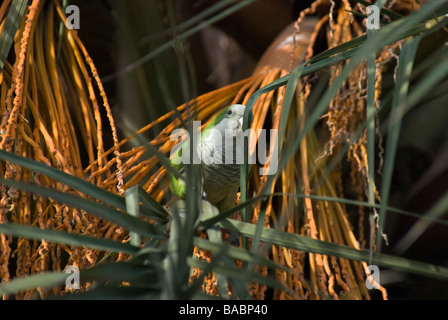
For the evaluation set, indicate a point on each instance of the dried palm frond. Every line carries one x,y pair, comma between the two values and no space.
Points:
50,113
328,221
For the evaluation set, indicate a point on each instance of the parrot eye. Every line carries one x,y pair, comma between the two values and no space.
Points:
229,112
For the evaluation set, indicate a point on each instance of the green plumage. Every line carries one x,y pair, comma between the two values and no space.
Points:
220,159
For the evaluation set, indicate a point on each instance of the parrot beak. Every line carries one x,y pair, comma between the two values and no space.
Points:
240,122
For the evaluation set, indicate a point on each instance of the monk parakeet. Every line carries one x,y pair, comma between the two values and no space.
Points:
220,151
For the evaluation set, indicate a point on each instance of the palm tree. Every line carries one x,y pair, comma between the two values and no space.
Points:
85,147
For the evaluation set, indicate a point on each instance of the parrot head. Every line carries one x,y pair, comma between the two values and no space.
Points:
224,131
230,118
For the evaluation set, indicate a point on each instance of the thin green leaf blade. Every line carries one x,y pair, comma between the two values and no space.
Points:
404,72
44,281
72,181
122,219
302,243
10,28
35,233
